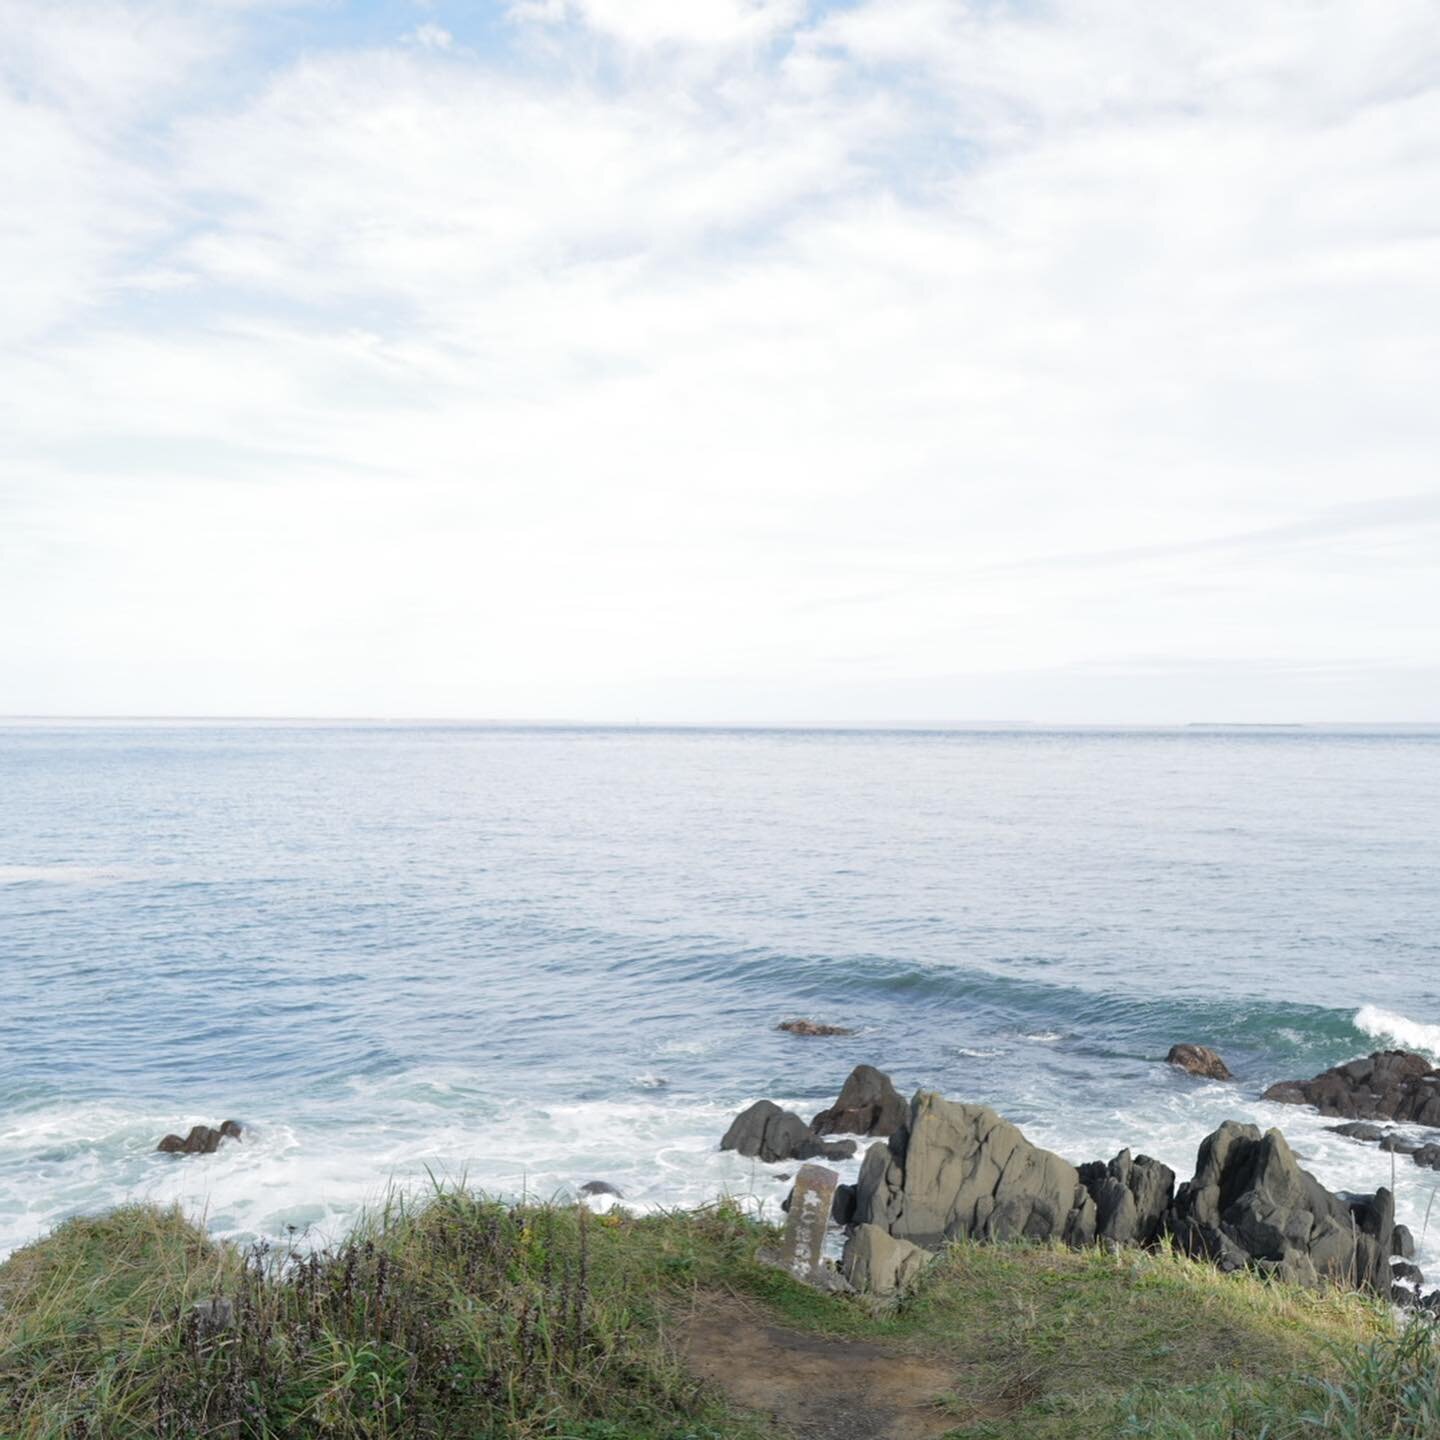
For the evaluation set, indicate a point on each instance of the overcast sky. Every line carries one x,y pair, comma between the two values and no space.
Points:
721,359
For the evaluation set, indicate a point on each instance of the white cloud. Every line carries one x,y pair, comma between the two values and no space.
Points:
729,359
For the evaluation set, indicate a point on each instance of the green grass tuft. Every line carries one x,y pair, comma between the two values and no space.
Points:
457,1316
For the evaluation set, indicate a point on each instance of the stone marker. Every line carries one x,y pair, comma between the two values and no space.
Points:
802,1246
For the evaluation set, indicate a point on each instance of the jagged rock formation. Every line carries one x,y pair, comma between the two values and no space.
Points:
1388,1085
868,1105
1132,1198
1199,1060
961,1171
202,1139
771,1134
876,1263
810,1027
1251,1203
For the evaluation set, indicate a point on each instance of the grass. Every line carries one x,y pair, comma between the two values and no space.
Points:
456,1316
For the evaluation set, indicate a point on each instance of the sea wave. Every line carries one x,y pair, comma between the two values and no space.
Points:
1386,1025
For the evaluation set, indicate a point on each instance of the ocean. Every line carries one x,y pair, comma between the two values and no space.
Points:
536,956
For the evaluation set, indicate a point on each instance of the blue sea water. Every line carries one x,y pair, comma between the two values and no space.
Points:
538,956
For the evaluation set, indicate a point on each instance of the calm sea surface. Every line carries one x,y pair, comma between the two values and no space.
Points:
539,956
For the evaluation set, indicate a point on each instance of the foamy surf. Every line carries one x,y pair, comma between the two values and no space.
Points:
1399,1029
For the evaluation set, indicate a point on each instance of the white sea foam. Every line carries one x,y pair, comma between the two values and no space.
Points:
1386,1025
62,874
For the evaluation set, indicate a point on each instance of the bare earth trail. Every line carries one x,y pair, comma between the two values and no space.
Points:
818,1387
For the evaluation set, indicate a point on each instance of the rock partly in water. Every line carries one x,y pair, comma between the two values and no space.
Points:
1250,1203
960,1171
600,1187
1359,1130
868,1105
1402,1243
1388,1085
876,1263
202,1139
1406,1272
766,1132
810,1027
1131,1197
1199,1060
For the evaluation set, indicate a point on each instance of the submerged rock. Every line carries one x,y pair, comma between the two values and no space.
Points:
868,1105
1250,1203
1388,1085
1131,1197
810,1027
960,1171
1199,1060
766,1132
202,1139
876,1263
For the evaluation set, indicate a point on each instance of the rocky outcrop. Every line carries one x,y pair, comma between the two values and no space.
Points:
1388,1085
1250,1203
1199,1060
202,1139
809,1027
876,1263
1132,1198
960,1171
766,1132
868,1105
600,1187
1402,1243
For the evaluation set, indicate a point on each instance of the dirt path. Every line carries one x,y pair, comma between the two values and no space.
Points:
818,1387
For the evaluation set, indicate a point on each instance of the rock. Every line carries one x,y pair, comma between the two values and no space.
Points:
868,1105
202,1139
842,1211
876,1263
1402,1242
1388,1085
768,1133
1359,1130
1250,1203
1427,1156
600,1187
1406,1273
961,1171
1131,1198
809,1027
1199,1060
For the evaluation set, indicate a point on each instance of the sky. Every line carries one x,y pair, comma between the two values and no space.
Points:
721,360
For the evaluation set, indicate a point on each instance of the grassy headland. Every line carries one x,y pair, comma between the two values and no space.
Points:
461,1317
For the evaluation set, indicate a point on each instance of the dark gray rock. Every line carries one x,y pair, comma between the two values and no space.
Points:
600,1187
961,1171
842,1212
766,1132
1402,1242
868,1105
1250,1203
1427,1156
1359,1130
1199,1060
1407,1273
810,1028
1388,1085
1131,1198
202,1139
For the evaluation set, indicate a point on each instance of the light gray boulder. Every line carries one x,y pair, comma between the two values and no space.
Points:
959,1170
876,1263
